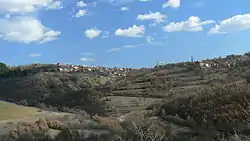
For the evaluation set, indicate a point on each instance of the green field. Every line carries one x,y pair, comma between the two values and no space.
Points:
13,111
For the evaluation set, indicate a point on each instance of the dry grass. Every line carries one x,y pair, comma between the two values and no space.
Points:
142,128
221,109
113,123
13,111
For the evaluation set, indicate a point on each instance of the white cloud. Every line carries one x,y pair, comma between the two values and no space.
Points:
87,59
23,28
26,30
157,16
114,49
81,4
233,24
34,55
92,33
133,31
124,8
55,5
152,41
172,3
81,13
193,24
50,36
129,46
118,2
22,6
149,39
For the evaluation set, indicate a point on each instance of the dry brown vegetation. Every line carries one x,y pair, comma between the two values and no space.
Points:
215,111
187,102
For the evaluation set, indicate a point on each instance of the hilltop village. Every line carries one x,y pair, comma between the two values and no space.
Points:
209,64
100,70
229,61
66,68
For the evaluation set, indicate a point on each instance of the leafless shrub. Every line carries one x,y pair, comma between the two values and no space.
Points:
143,128
142,133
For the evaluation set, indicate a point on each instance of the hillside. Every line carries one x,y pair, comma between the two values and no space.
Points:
45,86
166,83
174,94
29,123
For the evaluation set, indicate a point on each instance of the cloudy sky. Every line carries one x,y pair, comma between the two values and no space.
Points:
123,33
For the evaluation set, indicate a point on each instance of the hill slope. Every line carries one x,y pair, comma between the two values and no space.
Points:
173,93
145,87
135,91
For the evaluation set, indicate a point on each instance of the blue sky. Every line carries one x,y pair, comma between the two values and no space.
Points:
123,33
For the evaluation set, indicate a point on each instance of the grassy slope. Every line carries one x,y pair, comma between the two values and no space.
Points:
13,111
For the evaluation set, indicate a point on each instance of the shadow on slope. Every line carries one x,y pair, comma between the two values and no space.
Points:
52,91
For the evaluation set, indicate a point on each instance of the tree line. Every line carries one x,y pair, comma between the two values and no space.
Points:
7,72
4,69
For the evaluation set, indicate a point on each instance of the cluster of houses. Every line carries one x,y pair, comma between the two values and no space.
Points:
217,63
213,65
205,64
94,70
229,61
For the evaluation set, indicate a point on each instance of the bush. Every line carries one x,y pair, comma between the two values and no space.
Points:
141,128
222,108
85,99
247,54
246,75
23,102
146,129
4,70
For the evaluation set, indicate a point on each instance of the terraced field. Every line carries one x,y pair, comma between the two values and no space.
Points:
142,90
